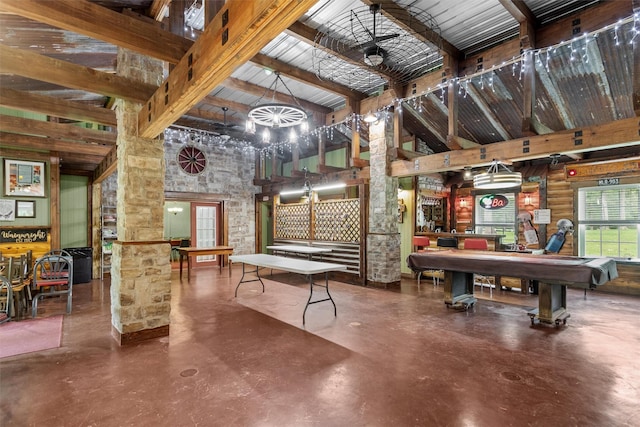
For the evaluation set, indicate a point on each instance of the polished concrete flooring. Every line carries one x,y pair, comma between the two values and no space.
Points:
389,358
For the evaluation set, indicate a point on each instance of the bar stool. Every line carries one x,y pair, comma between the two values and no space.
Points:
420,243
447,242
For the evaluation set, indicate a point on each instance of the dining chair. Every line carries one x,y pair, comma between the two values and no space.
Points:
420,244
52,276
6,299
12,269
60,252
479,279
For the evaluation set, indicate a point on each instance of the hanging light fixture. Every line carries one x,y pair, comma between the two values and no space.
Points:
275,115
370,117
495,178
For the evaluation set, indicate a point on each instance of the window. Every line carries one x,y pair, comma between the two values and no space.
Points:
491,220
609,221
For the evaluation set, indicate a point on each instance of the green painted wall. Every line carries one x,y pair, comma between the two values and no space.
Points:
74,211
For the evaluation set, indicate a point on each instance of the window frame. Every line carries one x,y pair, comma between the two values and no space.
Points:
496,226
581,224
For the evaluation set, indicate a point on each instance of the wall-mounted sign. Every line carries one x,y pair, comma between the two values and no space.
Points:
609,181
27,235
494,201
542,216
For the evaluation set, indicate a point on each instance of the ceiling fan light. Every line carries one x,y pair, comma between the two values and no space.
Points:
374,56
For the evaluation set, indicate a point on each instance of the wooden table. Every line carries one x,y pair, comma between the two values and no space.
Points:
299,249
552,272
292,265
191,252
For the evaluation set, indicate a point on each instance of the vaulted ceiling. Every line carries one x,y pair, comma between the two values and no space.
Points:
466,76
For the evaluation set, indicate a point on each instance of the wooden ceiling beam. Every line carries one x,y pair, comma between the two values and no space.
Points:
90,19
306,77
235,35
231,105
39,67
14,140
55,107
519,10
159,9
610,135
56,130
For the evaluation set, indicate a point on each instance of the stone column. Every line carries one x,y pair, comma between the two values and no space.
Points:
141,268
383,239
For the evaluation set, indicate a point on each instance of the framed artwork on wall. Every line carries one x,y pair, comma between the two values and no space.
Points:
7,210
25,209
24,178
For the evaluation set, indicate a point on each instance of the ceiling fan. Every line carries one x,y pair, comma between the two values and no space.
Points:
374,54
224,125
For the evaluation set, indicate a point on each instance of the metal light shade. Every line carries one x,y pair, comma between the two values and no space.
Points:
494,179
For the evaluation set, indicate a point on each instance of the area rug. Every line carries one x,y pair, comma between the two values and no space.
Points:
27,336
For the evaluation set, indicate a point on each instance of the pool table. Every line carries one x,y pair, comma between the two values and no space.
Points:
552,272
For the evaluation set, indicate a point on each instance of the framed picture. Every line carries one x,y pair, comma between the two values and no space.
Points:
7,210
25,209
24,178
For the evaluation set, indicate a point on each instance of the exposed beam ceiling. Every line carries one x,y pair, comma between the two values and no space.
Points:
43,68
88,18
55,107
55,130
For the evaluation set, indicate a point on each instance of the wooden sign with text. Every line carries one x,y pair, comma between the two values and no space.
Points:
27,235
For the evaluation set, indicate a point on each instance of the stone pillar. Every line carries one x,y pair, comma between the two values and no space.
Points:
141,268
383,239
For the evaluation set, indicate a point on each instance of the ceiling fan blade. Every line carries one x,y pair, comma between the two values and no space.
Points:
387,37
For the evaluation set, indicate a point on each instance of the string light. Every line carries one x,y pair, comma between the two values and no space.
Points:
348,123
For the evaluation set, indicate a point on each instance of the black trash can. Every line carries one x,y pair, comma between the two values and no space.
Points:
82,264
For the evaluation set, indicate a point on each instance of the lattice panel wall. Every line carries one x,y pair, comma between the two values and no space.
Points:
292,221
338,220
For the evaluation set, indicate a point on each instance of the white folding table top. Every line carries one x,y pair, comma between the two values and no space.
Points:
299,248
300,266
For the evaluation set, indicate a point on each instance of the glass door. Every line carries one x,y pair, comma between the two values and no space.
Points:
205,220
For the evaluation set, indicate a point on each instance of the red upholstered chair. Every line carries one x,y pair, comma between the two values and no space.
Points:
420,244
479,279
477,244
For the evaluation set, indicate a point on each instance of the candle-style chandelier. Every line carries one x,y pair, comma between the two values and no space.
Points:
275,115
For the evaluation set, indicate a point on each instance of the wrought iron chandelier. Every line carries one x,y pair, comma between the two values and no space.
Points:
495,178
277,115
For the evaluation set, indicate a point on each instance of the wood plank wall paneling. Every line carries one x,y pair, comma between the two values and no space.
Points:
627,281
16,249
560,201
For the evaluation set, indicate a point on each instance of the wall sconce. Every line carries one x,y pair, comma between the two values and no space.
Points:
174,210
463,203
527,198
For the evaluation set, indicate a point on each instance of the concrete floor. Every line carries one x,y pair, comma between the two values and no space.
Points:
389,358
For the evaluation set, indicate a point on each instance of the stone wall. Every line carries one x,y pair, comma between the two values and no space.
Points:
229,173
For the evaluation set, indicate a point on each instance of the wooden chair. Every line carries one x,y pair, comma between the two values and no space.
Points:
420,244
479,279
52,276
6,299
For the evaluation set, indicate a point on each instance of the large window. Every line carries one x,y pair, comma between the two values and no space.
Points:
609,221
496,219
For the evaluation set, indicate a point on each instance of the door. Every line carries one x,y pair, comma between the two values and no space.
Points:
206,231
